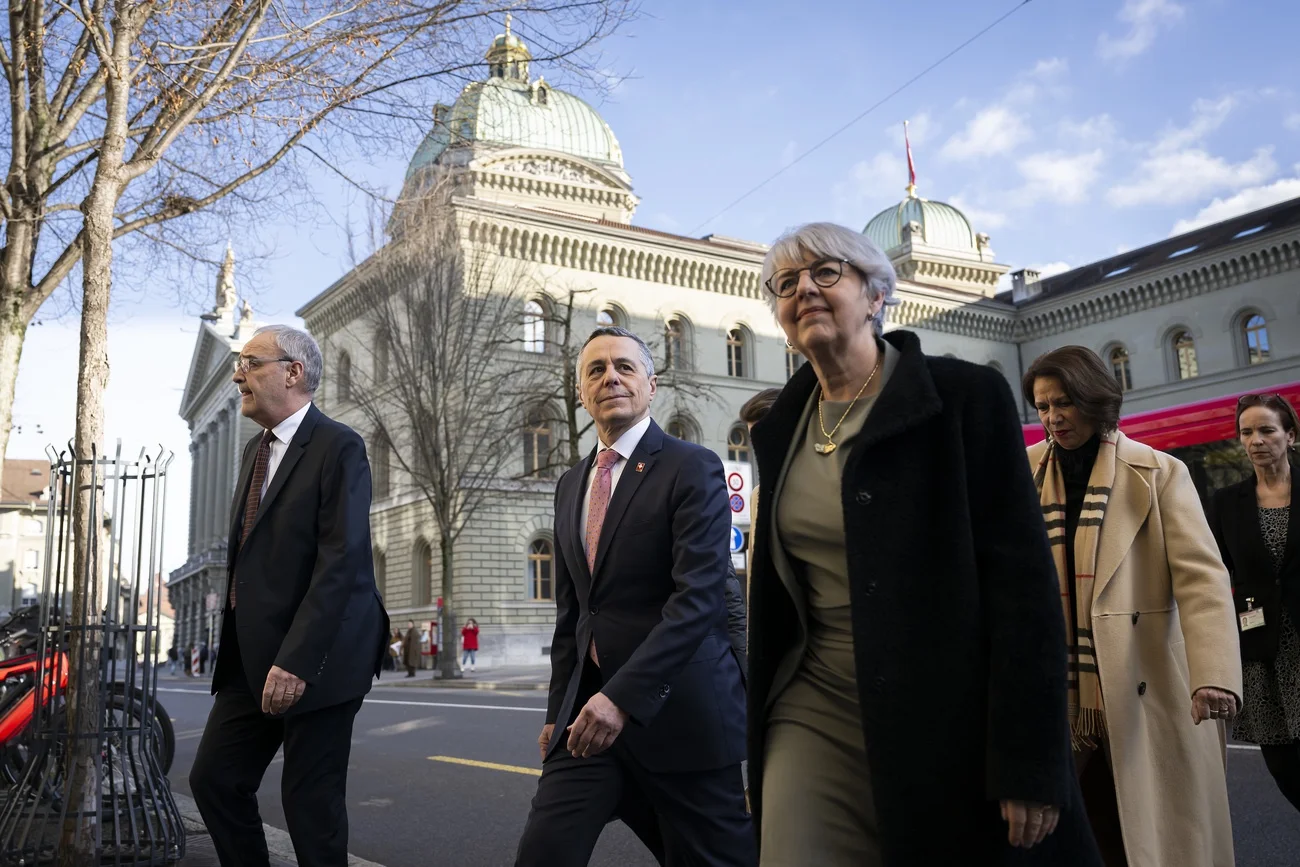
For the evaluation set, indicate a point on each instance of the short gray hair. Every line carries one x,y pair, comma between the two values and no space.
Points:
831,241
301,347
647,359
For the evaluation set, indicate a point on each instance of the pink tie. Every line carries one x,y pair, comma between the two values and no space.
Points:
600,491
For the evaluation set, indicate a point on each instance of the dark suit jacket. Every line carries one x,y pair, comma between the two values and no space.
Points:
958,637
654,606
1234,518
306,594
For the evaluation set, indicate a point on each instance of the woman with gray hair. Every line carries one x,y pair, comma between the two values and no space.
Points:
907,675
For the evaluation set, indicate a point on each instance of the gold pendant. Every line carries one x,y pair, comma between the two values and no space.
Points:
824,448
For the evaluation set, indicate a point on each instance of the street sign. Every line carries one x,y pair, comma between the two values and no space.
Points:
739,483
737,540
212,602
738,560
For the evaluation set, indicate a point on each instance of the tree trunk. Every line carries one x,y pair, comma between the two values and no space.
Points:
83,703
13,330
449,664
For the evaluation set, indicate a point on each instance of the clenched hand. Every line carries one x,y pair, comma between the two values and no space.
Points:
282,690
599,722
1028,824
1211,703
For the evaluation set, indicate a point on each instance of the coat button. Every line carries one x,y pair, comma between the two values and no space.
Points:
663,691
1142,688
594,611
864,497
870,589
878,684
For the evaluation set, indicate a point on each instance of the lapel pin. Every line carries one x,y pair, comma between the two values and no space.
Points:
640,467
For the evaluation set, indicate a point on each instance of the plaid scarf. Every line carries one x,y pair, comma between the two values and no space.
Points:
1087,721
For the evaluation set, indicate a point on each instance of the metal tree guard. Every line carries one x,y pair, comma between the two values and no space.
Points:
130,809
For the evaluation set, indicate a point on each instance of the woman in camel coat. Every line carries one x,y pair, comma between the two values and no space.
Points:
1163,627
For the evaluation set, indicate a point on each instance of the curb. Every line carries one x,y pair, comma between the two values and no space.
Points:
278,843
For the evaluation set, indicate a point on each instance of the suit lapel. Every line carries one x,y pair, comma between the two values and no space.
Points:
628,482
1126,512
574,540
293,453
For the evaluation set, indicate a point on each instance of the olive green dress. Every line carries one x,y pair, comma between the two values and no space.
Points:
817,800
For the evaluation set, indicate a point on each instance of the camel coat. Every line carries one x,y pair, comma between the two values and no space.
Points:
1163,624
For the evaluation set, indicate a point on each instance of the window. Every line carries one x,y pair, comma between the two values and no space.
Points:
534,327
31,560
675,345
345,376
35,527
541,558
381,571
382,466
683,429
1185,354
537,443
611,317
1256,339
422,573
1118,358
738,443
542,96
736,353
793,361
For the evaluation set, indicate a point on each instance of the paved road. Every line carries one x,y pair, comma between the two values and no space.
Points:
409,811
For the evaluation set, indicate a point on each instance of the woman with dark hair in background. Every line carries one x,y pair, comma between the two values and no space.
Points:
1258,531
1148,614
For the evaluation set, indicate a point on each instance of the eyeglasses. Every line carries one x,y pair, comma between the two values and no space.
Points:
243,365
824,272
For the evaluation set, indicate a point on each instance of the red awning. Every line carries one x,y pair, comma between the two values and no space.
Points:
1191,424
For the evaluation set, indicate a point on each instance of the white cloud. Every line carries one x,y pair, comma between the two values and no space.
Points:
1207,116
981,220
1293,122
920,129
1059,177
872,183
1050,68
1096,130
1144,18
994,130
1170,177
1249,199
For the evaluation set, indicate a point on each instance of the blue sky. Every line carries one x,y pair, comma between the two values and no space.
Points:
1070,132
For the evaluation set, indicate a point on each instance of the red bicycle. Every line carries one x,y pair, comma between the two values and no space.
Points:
20,673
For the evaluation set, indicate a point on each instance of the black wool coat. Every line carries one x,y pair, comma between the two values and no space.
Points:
959,637
1234,519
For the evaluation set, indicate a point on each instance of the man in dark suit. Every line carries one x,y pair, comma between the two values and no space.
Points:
646,693
304,630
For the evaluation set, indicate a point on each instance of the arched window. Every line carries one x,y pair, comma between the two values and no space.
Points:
1118,359
1256,333
738,443
542,96
422,574
541,560
611,317
381,461
381,571
345,376
682,428
793,361
736,353
537,443
676,344
534,327
1184,347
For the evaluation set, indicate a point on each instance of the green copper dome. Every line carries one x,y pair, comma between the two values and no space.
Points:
510,111
942,225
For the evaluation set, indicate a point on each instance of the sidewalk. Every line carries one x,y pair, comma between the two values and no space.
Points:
198,845
505,677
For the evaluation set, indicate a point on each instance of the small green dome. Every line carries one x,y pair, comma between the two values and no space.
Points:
942,225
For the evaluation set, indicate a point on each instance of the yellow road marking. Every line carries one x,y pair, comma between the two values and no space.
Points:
491,766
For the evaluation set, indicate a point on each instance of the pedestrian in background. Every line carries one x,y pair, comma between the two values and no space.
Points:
171,660
898,481
1257,526
411,648
469,643
394,651
203,658
1147,606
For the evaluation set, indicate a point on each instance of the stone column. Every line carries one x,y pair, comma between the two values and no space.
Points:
194,498
214,456
200,493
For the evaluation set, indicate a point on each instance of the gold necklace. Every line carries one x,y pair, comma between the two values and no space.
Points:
829,446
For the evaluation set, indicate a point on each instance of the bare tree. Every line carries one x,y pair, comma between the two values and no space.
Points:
448,317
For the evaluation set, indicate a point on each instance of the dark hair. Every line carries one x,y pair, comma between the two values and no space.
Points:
1269,400
1084,376
647,359
756,407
